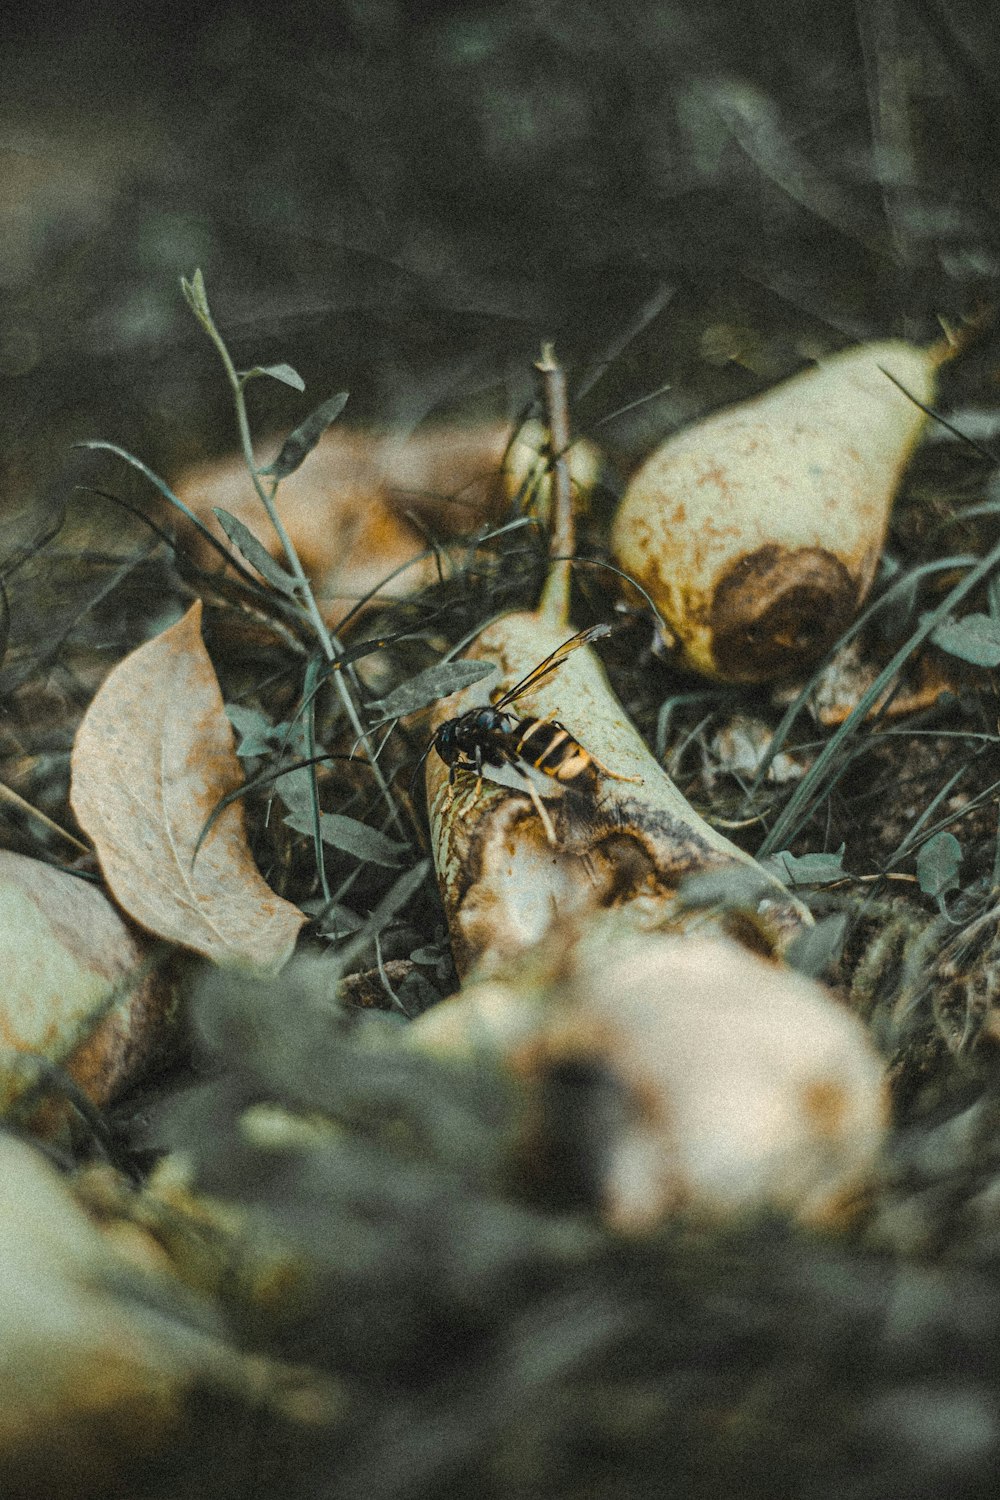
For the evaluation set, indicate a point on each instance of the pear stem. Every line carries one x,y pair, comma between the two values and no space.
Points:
554,603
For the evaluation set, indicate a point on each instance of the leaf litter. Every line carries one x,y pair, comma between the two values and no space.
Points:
152,758
400,1128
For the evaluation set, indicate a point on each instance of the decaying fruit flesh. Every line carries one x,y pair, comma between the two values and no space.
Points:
618,843
722,1083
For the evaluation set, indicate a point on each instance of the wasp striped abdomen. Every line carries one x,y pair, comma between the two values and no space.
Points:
548,746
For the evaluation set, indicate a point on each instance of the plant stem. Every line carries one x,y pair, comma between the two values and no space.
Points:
329,643
554,603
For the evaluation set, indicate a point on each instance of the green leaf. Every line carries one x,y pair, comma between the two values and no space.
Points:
733,885
973,638
303,440
806,869
439,681
258,736
937,864
404,888
285,373
350,836
255,730
813,949
255,552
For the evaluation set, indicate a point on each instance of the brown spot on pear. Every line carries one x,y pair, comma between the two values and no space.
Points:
786,501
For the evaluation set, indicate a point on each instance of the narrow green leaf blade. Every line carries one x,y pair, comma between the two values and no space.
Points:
351,836
299,444
255,552
438,681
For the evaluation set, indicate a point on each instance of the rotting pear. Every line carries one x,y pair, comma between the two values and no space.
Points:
757,531
676,1075
517,854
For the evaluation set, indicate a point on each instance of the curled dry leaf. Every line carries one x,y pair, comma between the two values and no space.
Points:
367,502
757,531
725,1084
79,986
153,757
849,675
618,843
98,1359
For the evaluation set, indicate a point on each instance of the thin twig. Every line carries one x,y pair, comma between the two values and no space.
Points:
16,800
555,596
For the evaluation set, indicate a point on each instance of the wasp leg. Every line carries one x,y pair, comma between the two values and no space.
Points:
613,775
540,809
597,764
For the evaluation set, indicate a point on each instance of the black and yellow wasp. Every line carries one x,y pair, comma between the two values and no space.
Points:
491,740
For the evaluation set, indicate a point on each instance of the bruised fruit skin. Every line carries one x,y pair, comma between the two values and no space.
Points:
757,532
621,844
726,1085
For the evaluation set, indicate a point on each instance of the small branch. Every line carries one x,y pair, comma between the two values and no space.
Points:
16,800
555,596
329,643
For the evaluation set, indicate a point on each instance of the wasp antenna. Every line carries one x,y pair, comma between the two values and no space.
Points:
416,770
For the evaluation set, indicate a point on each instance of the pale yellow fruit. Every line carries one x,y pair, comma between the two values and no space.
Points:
742,1086
757,531
526,476
624,840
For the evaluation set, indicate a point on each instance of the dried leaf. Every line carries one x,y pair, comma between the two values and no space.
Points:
153,757
79,990
347,510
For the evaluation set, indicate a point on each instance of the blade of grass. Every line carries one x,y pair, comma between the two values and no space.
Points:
799,703
800,804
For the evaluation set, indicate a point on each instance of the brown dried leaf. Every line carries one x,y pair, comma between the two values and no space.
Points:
77,990
347,510
152,759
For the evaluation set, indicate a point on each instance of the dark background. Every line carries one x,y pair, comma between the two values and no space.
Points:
404,199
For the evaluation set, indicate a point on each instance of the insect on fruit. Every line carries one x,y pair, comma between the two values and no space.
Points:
536,756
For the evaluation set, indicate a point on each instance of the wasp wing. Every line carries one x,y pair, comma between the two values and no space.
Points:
518,775
551,662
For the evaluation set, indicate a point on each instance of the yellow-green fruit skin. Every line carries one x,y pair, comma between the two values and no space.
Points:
757,531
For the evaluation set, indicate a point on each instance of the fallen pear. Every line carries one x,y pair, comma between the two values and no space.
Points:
622,835
593,821
674,1075
757,531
